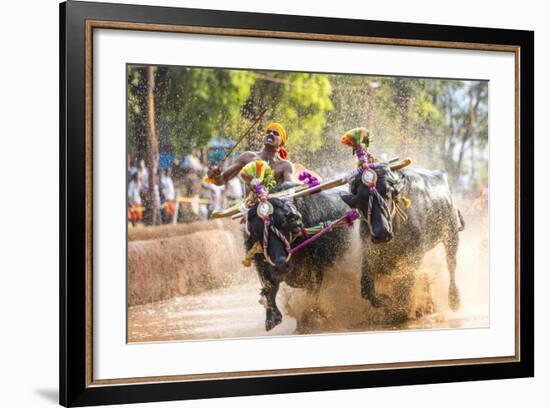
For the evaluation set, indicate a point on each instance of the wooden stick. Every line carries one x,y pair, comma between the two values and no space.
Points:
245,134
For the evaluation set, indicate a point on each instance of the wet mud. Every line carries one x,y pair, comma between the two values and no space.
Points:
229,307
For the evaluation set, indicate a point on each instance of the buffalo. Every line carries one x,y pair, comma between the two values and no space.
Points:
393,235
305,269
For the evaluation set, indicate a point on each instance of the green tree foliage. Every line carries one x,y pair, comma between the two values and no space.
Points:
196,104
299,101
438,123
199,104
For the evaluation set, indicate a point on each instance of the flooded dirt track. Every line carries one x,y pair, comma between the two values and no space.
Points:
220,313
233,310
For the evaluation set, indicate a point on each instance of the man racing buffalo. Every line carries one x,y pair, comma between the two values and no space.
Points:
273,152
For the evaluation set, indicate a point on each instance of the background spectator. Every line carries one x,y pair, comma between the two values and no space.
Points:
167,196
135,209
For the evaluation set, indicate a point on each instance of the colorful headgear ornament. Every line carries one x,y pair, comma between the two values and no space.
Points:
357,136
283,153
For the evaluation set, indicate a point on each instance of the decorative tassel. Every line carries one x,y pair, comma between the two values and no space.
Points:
351,216
307,178
256,249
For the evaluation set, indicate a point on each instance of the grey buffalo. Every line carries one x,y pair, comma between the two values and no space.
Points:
392,235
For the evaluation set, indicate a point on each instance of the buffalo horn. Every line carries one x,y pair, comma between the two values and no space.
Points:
231,211
400,165
228,212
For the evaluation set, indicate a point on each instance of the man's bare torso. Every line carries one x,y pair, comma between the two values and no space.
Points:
283,169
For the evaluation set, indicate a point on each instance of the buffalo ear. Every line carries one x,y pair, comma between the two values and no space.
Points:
349,199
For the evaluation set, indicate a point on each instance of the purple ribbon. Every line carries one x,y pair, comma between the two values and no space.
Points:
349,217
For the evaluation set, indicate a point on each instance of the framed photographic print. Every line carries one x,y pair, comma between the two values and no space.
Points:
257,204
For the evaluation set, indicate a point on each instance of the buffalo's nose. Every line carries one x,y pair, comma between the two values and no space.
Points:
382,238
295,222
281,266
295,218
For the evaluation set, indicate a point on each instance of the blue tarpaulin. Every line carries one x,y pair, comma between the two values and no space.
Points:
217,149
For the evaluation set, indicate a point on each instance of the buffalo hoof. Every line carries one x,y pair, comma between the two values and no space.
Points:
273,318
454,298
379,300
397,316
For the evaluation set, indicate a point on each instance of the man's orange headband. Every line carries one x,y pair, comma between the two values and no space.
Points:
279,128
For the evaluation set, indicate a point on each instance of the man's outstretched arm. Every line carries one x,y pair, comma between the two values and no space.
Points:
220,178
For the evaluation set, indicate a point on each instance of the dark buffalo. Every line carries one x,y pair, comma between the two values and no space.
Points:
390,241
306,268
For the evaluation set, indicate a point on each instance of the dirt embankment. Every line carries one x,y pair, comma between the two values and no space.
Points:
168,261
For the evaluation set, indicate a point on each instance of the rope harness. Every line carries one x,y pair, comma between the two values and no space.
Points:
264,211
374,194
278,234
367,163
383,203
317,231
346,220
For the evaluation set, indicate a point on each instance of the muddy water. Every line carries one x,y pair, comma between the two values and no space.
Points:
233,311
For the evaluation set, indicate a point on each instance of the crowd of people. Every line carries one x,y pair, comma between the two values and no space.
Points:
164,194
178,193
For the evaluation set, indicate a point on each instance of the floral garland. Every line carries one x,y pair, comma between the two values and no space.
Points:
258,172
